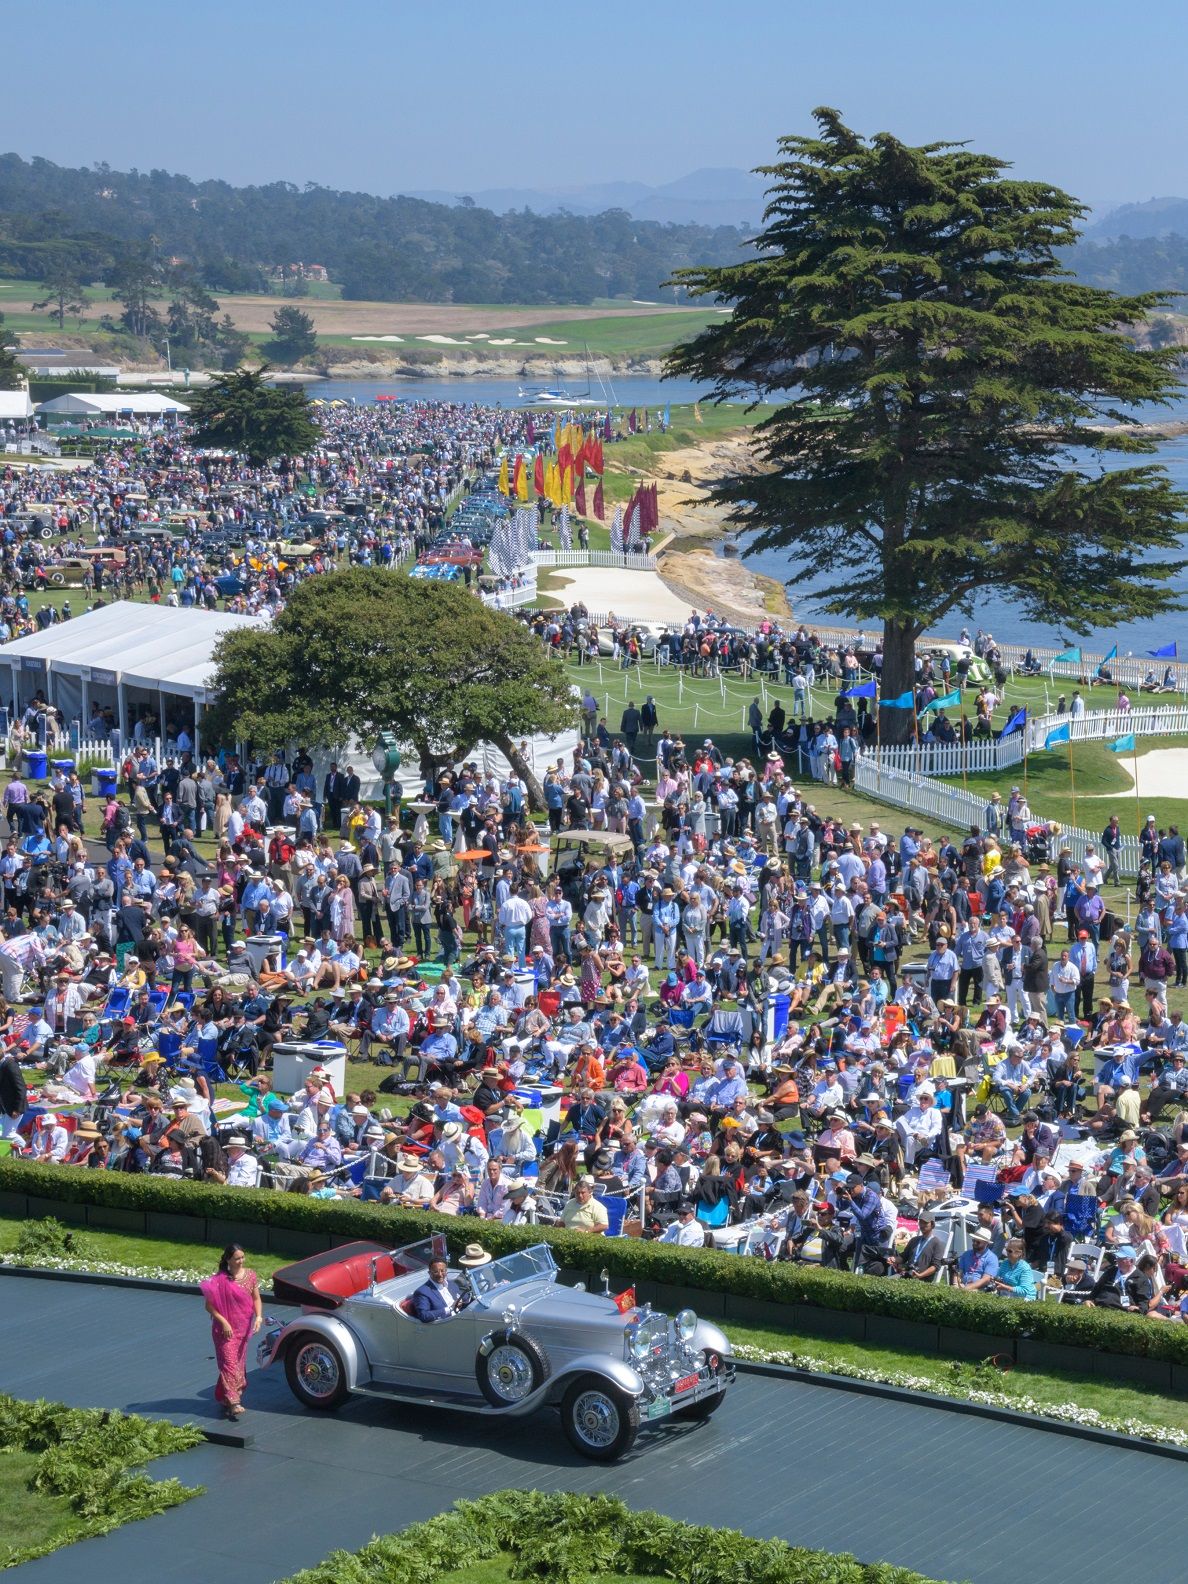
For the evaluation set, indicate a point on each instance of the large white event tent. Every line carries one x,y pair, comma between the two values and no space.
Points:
115,404
124,656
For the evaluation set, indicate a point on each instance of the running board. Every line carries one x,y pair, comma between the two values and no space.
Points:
461,1402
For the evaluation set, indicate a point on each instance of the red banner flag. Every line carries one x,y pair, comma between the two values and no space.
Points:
599,508
631,421
579,499
538,479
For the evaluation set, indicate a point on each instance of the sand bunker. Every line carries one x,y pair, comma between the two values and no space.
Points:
1162,773
378,338
548,341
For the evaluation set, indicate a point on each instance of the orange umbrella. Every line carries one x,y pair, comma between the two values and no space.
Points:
474,855
533,847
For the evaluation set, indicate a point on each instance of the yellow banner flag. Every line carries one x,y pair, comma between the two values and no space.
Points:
697,411
522,482
503,483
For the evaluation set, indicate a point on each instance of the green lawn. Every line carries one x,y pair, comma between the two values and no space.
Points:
1104,785
30,1520
1114,1399
147,1253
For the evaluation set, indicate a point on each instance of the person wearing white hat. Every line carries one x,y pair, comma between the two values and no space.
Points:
243,1169
50,1138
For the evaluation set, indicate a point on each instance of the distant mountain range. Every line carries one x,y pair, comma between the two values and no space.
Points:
1156,217
713,196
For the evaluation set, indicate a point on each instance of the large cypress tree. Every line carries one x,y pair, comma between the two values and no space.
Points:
932,365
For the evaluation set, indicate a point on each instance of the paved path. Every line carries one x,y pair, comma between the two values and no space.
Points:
952,1496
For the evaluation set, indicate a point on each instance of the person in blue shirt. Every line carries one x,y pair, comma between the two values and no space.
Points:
970,947
977,1268
1015,1278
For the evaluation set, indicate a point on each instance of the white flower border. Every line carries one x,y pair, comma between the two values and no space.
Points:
93,1267
1069,1413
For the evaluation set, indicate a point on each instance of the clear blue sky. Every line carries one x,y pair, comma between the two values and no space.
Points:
384,95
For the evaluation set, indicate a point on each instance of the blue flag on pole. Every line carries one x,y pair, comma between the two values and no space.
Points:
904,701
1168,652
1061,734
1073,656
944,701
1122,744
1019,718
863,690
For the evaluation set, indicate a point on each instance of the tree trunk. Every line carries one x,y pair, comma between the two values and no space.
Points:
899,677
523,769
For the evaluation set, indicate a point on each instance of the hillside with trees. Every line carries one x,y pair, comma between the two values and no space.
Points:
84,224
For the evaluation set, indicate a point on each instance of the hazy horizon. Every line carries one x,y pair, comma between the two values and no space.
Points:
382,99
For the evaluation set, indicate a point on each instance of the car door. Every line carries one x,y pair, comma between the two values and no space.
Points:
441,1356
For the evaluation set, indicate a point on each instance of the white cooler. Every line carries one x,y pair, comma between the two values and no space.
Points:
259,947
293,1061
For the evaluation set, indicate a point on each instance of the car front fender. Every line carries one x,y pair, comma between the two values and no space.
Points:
353,1357
709,1339
615,1370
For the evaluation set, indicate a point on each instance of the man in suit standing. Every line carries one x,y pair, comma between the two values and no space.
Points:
332,797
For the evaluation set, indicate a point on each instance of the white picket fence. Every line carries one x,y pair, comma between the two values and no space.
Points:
960,809
1164,720
635,561
954,759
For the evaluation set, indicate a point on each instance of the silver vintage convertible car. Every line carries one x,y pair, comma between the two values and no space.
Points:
519,1340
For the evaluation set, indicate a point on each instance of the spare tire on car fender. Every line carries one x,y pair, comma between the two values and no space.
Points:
510,1366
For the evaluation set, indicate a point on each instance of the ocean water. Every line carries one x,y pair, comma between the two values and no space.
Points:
995,613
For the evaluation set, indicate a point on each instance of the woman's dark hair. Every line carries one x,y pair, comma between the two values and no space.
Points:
227,1256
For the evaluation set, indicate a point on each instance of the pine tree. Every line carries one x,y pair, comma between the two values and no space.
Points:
932,366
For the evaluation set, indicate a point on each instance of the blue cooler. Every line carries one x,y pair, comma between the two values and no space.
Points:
103,782
66,766
36,763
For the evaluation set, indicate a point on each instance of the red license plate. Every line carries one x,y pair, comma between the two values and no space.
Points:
684,1385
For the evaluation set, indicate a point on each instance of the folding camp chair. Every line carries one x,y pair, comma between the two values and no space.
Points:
616,1214
116,1005
156,1003
1081,1215
681,1020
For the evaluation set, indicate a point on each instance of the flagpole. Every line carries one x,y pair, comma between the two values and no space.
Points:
1072,779
1138,802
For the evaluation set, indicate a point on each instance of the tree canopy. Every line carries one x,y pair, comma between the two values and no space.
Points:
939,383
367,651
238,411
292,336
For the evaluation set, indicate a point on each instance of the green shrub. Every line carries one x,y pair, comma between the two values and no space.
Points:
94,1458
626,1259
566,1538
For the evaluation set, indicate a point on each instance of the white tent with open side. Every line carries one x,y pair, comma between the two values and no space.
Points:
126,656
103,404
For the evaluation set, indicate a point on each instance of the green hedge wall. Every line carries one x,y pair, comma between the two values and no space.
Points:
627,1259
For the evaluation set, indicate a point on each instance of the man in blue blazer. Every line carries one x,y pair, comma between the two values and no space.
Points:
438,1298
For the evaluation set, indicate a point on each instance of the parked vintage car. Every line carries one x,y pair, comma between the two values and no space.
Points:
520,1340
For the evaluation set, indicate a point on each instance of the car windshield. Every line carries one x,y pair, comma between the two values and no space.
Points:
528,1264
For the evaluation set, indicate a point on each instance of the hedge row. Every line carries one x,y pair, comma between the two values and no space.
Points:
627,1259
567,1539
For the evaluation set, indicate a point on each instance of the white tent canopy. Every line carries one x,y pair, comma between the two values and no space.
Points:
99,404
103,655
15,406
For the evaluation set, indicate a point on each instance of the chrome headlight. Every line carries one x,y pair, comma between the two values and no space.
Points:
637,1342
686,1324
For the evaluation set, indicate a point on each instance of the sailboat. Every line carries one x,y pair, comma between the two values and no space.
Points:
558,396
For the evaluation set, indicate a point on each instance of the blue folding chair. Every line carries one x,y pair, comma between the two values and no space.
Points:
616,1214
117,1001
184,998
1081,1216
157,1001
169,1043
682,1018
988,1193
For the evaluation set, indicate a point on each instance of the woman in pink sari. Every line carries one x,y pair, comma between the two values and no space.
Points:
233,1303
